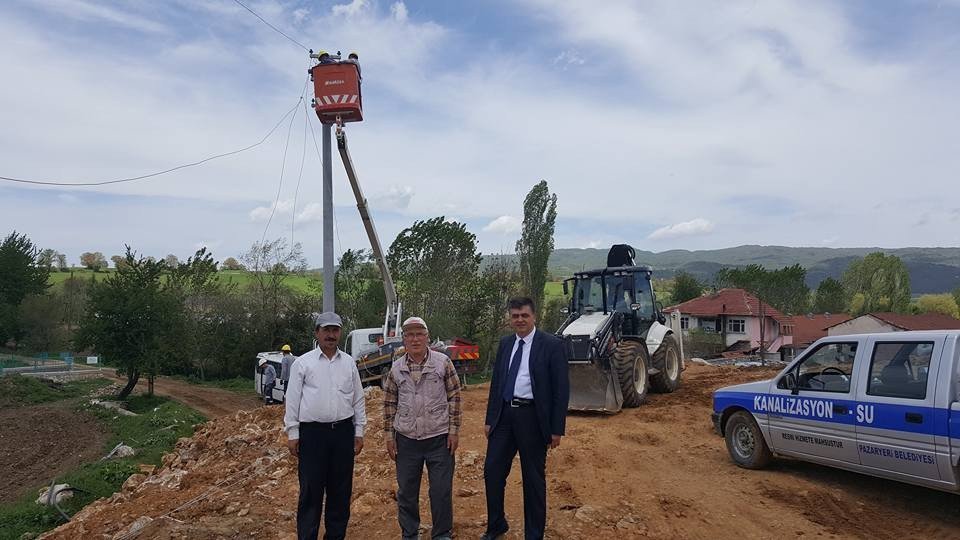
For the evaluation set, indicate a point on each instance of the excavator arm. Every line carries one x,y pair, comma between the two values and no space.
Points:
391,323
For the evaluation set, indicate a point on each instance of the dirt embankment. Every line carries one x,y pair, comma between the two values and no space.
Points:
657,471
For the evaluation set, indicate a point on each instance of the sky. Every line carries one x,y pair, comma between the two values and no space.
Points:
663,124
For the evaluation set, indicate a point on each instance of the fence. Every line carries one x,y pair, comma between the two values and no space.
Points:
66,363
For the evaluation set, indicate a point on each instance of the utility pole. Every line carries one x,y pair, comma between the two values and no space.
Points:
329,293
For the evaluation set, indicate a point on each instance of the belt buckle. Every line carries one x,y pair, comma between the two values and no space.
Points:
515,403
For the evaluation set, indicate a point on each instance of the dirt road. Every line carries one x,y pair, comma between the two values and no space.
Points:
657,471
209,401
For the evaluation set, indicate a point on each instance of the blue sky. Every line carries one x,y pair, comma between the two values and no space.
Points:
664,124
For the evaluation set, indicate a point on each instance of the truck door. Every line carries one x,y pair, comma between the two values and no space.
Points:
896,424
810,408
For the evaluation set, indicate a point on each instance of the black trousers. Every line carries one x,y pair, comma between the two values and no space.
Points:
412,455
326,468
517,430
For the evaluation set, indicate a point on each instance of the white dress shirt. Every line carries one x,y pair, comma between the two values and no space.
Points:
324,389
524,387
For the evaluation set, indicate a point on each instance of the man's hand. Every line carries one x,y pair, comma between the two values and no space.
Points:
357,445
392,449
554,441
452,442
294,446
486,431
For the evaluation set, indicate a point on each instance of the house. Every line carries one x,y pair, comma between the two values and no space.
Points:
807,329
893,322
738,317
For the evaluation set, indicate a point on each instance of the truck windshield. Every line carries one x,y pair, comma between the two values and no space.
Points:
621,294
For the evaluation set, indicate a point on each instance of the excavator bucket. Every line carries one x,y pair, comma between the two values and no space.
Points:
593,388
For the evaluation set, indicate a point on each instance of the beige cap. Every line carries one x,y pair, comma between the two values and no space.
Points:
414,321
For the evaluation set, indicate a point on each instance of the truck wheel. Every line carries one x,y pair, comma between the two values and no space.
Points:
745,443
630,364
667,360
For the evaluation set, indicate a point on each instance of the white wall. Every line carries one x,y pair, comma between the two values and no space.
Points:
863,324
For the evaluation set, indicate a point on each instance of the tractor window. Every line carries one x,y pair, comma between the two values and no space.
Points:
588,295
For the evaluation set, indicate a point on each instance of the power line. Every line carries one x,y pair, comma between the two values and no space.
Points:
303,158
172,169
275,29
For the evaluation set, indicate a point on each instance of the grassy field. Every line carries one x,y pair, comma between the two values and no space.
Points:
160,422
239,385
20,390
312,281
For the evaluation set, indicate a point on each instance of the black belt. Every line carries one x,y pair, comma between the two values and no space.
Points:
520,402
326,425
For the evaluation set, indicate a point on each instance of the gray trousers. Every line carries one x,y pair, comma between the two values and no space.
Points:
411,457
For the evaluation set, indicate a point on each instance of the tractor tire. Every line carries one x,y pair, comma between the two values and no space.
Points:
630,362
745,443
667,360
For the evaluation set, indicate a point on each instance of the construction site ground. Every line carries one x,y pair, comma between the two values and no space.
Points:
656,471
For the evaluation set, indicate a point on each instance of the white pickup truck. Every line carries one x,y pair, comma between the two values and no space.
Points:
886,405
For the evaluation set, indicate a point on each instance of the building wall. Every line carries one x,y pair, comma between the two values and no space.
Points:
861,325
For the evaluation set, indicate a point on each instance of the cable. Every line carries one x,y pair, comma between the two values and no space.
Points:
273,208
303,157
151,175
264,21
283,167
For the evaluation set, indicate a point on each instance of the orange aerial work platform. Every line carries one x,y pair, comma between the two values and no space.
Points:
336,89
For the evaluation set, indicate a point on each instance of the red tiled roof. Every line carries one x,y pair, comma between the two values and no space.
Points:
923,321
726,302
809,328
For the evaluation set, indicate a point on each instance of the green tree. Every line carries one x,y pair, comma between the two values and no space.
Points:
40,321
21,274
883,281
536,240
359,288
830,297
939,303
133,318
956,295
499,280
435,265
231,264
93,261
685,287
784,289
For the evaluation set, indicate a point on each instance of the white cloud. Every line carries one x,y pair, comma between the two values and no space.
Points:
311,213
395,198
300,14
399,11
569,58
263,213
86,11
504,225
687,228
352,9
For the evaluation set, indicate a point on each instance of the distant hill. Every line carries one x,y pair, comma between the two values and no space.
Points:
932,270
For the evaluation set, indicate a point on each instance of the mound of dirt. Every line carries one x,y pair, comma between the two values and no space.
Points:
656,471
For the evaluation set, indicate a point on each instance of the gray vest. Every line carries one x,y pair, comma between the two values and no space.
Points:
422,409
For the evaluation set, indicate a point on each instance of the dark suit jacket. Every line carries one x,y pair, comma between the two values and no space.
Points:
549,375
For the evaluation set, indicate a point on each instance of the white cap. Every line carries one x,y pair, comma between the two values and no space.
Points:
261,362
415,321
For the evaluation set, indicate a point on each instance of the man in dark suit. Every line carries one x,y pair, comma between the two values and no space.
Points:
526,412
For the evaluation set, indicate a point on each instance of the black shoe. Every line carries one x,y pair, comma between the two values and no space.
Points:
489,536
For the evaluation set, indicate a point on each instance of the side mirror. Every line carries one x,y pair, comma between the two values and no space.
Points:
636,306
566,288
791,380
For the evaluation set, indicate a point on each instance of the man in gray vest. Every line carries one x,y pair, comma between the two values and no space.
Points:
422,413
